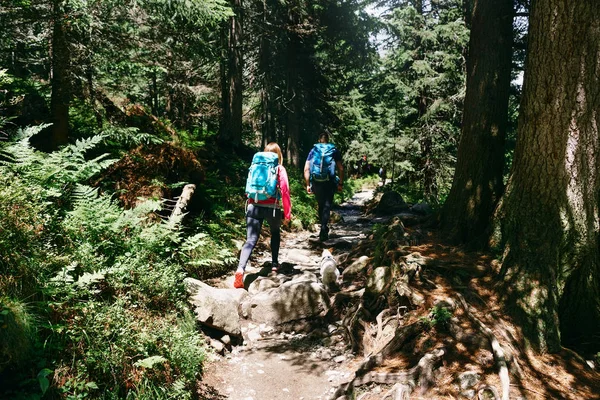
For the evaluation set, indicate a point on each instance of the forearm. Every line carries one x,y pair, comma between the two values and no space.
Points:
307,174
340,171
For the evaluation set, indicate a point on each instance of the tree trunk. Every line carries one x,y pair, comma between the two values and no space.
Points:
267,115
236,65
224,126
61,88
549,218
293,104
475,190
232,132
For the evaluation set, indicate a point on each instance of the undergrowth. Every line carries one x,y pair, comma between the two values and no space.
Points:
94,303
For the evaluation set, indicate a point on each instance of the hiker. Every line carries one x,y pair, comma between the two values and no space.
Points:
264,189
362,165
382,175
319,174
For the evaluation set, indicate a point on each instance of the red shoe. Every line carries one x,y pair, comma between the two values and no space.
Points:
238,281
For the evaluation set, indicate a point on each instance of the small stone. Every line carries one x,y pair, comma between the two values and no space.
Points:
218,346
340,359
326,354
254,335
468,379
226,339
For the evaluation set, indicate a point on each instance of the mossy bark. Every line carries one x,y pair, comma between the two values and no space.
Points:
549,219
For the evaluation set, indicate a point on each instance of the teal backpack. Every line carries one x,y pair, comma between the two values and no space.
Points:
322,164
262,177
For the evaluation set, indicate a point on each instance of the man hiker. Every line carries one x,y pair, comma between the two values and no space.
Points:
319,174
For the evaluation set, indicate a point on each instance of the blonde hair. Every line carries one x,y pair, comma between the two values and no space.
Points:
274,148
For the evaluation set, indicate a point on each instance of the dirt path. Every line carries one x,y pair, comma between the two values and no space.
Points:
280,366
276,363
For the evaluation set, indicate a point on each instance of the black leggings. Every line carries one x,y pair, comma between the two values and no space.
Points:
254,220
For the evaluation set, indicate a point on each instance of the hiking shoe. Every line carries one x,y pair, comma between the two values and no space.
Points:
238,281
323,237
275,267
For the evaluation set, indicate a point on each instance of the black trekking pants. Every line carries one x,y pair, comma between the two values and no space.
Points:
324,192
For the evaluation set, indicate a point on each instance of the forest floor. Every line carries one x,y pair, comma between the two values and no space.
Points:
321,365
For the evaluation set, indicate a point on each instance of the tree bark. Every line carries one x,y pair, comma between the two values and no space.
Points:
475,190
61,87
293,103
267,113
549,219
224,126
232,123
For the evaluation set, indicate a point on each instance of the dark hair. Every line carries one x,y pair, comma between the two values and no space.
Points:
324,137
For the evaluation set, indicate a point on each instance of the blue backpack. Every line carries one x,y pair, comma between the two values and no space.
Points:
322,164
262,177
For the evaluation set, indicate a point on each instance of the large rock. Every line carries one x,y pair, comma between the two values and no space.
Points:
298,299
391,203
216,308
262,283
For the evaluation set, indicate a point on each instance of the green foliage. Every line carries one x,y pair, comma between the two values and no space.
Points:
108,282
54,170
16,333
304,205
127,138
438,317
206,256
407,118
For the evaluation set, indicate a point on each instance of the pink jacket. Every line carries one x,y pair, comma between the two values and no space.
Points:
284,188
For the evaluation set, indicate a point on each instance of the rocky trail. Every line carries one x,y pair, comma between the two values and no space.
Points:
409,318
276,364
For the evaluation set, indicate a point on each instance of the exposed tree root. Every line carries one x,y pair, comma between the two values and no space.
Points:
497,350
407,380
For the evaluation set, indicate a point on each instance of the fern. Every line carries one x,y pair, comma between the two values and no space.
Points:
57,169
128,137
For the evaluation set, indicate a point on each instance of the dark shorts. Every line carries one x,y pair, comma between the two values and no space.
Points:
272,215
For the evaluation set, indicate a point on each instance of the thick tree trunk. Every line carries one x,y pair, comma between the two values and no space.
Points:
549,216
61,88
476,189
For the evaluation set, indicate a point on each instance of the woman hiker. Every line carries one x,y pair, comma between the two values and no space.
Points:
269,210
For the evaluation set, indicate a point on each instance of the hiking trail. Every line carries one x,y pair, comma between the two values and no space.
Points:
412,318
273,365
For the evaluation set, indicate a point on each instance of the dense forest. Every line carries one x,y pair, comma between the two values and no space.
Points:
486,110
